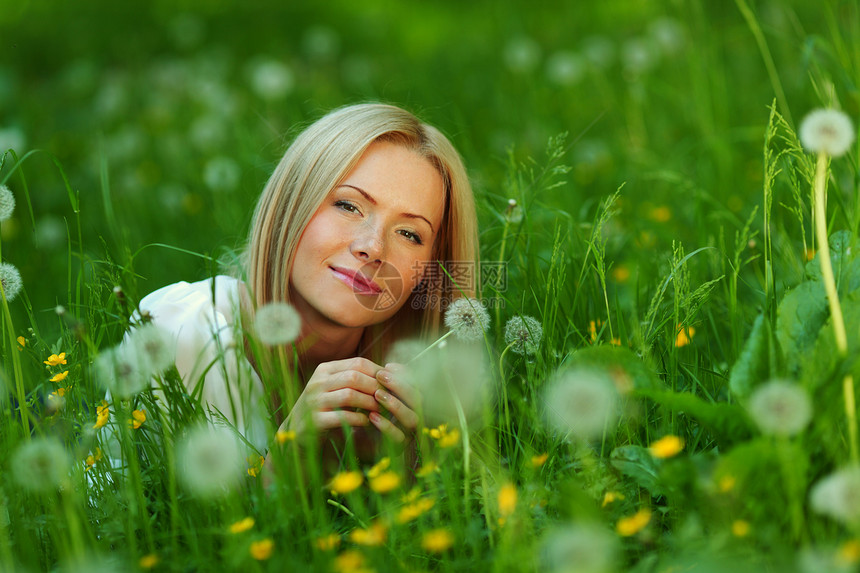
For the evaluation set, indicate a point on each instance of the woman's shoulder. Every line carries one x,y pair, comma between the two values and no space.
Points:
219,295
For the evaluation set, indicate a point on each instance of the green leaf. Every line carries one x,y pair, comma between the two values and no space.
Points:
727,421
638,463
753,366
799,318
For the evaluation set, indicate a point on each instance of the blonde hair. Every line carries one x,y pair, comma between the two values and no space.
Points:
316,162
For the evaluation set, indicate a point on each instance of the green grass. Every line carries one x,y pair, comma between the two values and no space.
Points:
657,196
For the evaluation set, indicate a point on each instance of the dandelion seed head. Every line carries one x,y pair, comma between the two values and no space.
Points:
153,347
277,323
522,54
41,465
272,80
10,278
523,334
451,378
221,174
468,318
838,496
780,408
582,402
565,68
212,461
7,203
579,548
639,56
599,51
118,371
827,131
668,34
12,138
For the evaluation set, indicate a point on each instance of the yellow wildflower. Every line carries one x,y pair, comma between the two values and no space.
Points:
242,525
371,537
427,469
727,483
411,495
633,524
380,467
102,415
148,561
53,359
59,377
262,550
92,459
538,461
414,510
685,336
345,482
22,342
621,273
449,439
349,561
437,540
138,417
507,499
740,528
285,436
255,465
666,447
809,254
661,214
328,542
849,552
384,483
611,497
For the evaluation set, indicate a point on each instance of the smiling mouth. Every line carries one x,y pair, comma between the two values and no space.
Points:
356,281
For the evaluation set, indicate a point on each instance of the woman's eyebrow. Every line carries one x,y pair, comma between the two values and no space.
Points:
373,202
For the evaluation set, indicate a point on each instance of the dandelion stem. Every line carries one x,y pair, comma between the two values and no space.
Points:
820,201
431,347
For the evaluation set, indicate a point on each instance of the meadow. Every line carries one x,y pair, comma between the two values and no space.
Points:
680,398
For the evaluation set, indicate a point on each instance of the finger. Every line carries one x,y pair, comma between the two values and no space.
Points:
392,377
350,379
404,415
387,428
346,398
337,418
357,363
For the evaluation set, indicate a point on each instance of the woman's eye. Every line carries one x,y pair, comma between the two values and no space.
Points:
414,237
346,206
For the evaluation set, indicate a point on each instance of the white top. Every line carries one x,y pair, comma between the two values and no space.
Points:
204,319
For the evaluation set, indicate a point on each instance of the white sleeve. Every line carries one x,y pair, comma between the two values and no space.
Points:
204,322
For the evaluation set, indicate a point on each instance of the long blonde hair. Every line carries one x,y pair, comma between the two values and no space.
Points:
316,162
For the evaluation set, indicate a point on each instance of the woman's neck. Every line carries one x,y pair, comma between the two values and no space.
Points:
319,344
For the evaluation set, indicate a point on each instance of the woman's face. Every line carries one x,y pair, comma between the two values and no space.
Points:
365,248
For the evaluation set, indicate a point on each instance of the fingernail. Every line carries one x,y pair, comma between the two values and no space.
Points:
374,416
382,396
384,376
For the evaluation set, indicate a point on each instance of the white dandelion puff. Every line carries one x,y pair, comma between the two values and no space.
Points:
118,371
404,350
467,318
277,323
522,54
579,548
41,465
565,68
827,131
599,51
211,461
221,174
523,334
838,496
7,203
272,80
582,402
780,408
10,278
153,348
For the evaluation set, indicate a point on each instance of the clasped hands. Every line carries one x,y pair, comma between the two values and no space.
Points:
355,392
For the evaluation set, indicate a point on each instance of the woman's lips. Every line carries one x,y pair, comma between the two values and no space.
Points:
355,280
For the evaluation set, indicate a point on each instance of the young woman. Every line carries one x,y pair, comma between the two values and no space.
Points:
361,207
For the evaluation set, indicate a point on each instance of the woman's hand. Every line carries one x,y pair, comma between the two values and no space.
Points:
399,398
331,394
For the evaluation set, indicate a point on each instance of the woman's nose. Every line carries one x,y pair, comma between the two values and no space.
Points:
368,244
